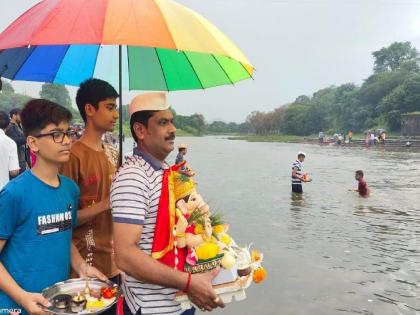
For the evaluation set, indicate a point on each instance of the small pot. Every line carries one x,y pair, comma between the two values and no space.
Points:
78,303
244,272
62,301
77,307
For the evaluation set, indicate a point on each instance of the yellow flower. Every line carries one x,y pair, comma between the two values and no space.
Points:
207,251
225,239
255,255
217,229
198,229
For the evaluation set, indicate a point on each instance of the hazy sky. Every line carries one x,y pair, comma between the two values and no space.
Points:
296,46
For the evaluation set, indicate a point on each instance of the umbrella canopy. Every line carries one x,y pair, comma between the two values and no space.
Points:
160,44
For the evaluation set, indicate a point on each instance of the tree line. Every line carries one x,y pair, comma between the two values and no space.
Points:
393,89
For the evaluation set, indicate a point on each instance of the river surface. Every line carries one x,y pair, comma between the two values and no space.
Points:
330,252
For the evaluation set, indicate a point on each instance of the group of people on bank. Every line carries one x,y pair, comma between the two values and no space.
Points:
76,214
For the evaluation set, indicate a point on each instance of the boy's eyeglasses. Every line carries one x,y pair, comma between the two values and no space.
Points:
58,136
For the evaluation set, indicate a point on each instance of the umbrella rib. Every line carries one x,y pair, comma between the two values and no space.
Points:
250,75
195,72
231,82
161,67
96,60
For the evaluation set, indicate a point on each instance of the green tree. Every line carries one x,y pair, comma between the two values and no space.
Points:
59,94
56,93
6,87
403,99
9,101
302,99
391,58
295,120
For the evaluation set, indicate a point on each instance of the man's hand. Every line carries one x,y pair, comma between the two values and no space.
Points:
201,291
33,303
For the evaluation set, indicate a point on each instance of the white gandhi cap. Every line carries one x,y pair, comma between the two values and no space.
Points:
148,101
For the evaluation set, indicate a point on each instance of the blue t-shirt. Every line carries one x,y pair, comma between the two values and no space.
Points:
37,221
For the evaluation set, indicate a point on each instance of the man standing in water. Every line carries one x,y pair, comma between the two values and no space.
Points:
362,189
297,175
182,151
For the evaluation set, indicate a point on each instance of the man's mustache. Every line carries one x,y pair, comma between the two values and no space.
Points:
171,137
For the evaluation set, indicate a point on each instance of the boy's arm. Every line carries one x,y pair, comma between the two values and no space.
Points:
29,301
86,214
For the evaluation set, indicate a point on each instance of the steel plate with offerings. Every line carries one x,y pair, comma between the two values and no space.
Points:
81,296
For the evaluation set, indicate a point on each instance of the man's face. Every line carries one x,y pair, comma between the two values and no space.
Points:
105,117
50,149
158,137
16,118
184,151
301,158
357,176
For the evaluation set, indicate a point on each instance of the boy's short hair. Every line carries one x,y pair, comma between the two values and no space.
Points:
360,173
4,120
38,113
14,111
93,91
141,117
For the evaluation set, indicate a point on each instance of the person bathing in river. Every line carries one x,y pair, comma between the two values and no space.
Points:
297,175
363,188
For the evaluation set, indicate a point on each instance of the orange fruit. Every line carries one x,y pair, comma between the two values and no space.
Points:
259,275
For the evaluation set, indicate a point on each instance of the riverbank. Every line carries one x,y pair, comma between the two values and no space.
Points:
269,138
394,142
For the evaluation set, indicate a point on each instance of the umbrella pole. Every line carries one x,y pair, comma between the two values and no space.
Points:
121,135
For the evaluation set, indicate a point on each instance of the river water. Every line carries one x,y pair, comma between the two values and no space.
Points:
329,252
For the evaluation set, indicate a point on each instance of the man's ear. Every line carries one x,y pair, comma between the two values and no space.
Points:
139,130
33,145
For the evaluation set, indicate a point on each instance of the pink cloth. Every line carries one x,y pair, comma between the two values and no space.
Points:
33,158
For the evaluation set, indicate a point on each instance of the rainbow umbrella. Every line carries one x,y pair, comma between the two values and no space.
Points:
133,44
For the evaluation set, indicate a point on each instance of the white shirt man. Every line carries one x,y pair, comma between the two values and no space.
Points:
9,162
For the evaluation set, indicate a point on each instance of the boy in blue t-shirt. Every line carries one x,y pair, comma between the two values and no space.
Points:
38,211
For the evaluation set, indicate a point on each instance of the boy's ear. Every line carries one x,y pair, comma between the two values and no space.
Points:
33,145
90,110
